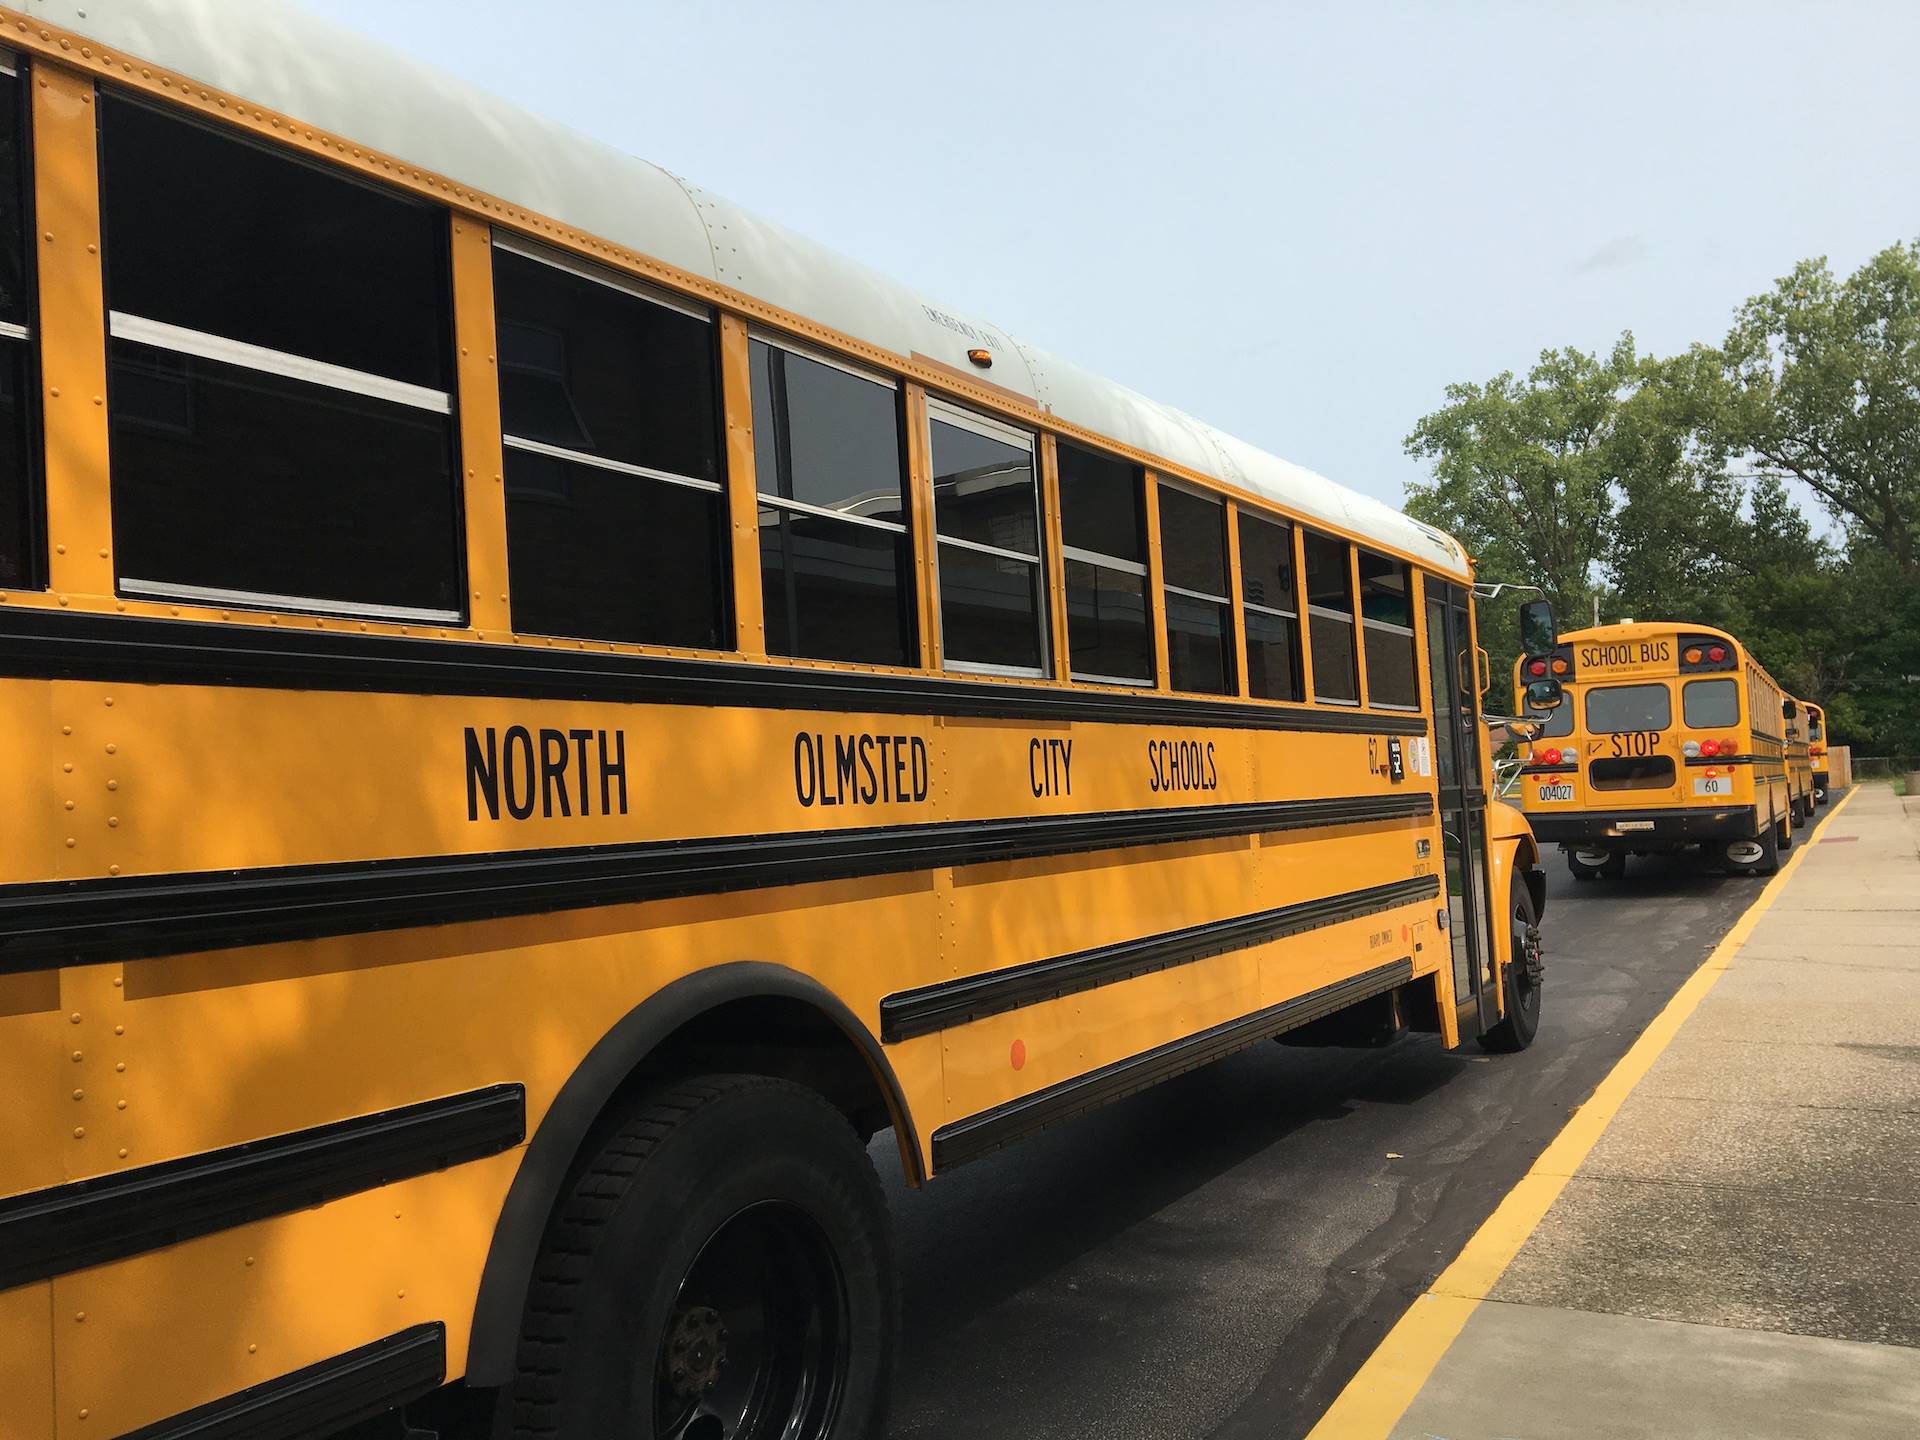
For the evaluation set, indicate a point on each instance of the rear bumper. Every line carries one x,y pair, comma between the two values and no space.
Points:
1643,827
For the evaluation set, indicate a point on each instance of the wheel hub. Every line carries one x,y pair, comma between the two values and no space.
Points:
1533,954
696,1349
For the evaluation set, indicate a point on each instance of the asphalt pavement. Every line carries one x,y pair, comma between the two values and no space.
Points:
1217,1256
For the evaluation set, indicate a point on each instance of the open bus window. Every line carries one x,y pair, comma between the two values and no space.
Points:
1386,611
836,558
986,515
1613,709
1103,530
280,368
609,417
1330,620
1270,609
1193,548
1710,704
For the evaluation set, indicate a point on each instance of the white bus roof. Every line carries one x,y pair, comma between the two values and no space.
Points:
313,70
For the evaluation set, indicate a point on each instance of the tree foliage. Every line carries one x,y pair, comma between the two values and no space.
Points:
1669,488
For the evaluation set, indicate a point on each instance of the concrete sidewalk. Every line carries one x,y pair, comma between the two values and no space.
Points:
1739,1253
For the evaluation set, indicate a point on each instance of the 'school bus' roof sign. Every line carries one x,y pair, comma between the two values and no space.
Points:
279,56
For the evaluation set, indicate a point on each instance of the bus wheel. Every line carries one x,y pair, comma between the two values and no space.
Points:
1759,856
721,1270
1521,979
1591,864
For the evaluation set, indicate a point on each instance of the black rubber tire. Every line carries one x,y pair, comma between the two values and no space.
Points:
681,1164
1769,857
1582,871
1521,1023
1784,831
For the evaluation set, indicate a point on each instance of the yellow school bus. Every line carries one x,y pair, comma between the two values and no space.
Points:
542,714
1800,780
1670,737
1817,748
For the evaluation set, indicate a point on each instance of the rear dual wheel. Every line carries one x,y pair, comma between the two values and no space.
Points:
720,1271
1758,856
1596,862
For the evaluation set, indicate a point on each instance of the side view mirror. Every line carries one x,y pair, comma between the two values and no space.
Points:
1537,630
1789,709
1545,695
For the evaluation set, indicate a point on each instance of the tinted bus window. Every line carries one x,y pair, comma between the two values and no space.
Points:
1103,529
1710,703
986,514
279,373
1615,708
836,559
610,420
1386,609
1193,546
1269,609
20,543
1330,620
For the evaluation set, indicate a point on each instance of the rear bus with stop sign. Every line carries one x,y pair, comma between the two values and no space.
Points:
1670,738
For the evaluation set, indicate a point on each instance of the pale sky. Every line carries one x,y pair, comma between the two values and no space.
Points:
1298,222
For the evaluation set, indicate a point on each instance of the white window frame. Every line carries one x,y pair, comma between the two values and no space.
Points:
948,413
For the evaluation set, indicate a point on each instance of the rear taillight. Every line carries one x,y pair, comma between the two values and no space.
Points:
1709,747
1550,757
1716,653
1536,667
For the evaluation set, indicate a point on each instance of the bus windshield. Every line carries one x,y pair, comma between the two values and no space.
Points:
1616,708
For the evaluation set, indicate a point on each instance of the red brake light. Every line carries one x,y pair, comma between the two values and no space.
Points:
1550,757
1717,653
1709,747
1537,667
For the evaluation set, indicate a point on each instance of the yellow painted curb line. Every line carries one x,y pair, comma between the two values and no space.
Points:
1382,1389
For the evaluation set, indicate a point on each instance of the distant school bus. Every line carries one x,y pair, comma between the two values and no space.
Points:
539,714
1669,737
1817,749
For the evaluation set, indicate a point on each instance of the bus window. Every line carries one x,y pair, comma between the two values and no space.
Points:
1386,609
986,516
1620,708
1330,620
836,558
279,368
610,420
1710,704
19,510
1103,529
1271,609
1193,549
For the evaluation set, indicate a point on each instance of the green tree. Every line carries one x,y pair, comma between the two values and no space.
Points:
1826,377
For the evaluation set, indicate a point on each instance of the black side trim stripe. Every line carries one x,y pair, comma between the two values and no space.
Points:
955,1002
975,1136
64,922
62,645
321,1399
90,1222
1566,768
